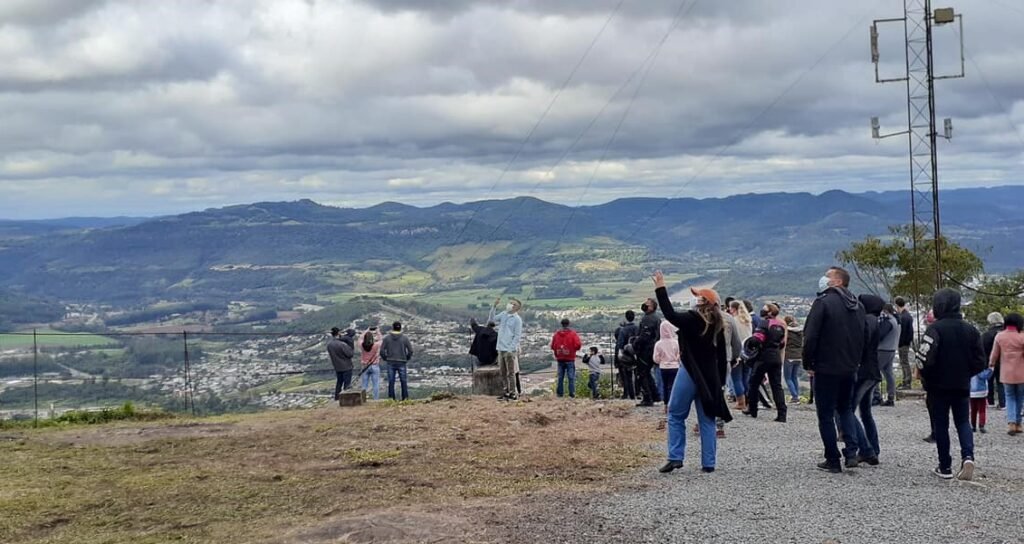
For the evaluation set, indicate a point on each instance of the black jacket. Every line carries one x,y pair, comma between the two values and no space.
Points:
704,357
649,334
951,351
906,328
340,353
485,343
869,367
834,334
624,333
988,340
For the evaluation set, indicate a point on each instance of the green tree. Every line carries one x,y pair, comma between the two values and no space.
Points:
889,266
1001,295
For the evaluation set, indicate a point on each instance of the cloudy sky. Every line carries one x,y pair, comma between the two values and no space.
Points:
123,107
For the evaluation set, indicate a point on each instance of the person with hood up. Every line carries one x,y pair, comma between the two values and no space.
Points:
699,381
1008,353
869,375
510,334
988,341
668,358
565,344
834,343
396,350
647,337
771,336
370,357
950,355
340,349
485,343
625,357
889,332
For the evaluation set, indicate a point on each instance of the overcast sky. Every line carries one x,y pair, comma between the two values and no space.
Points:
123,107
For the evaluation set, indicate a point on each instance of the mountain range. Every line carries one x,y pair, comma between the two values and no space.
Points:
284,251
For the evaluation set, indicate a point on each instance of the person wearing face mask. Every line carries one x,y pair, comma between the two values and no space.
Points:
647,337
510,334
772,335
835,337
700,377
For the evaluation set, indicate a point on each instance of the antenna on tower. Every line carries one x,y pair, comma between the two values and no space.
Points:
918,22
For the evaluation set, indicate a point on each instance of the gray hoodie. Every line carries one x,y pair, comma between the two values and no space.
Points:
395,348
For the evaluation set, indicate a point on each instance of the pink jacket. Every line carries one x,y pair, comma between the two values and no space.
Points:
371,357
666,351
1009,349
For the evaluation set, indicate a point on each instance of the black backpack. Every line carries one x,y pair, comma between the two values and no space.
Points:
368,342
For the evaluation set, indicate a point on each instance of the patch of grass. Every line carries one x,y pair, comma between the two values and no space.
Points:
253,478
24,340
125,412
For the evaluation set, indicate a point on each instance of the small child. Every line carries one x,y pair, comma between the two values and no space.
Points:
979,400
668,359
594,360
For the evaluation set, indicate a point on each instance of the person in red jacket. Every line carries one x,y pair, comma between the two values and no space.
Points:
565,344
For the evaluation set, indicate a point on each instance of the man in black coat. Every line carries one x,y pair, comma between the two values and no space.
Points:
950,355
485,343
647,337
625,359
340,349
834,341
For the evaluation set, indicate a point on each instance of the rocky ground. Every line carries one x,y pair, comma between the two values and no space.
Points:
766,489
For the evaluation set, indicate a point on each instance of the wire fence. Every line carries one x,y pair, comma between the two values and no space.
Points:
46,373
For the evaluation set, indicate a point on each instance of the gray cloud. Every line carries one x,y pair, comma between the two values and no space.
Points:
118,108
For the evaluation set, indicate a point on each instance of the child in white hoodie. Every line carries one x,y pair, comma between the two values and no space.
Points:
668,357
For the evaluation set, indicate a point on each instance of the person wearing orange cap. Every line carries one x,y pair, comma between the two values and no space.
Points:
701,376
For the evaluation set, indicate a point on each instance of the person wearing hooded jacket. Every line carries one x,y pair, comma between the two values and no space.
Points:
699,382
949,356
647,336
340,349
668,357
889,332
869,375
834,342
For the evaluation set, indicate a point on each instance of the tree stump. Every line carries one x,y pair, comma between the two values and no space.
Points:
352,397
487,381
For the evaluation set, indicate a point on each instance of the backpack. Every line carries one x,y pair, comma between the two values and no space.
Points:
627,355
368,342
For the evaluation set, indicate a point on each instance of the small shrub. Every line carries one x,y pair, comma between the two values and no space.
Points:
371,458
604,384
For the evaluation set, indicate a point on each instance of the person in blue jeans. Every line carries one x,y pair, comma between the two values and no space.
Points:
594,360
396,351
793,365
564,345
701,375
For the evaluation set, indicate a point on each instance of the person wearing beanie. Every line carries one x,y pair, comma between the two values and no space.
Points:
988,340
396,351
565,344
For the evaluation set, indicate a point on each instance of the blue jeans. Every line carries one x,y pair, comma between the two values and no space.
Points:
399,370
344,381
659,384
372,375
684,394
566,367
1014,401
940,405
740,376
791,375
834,394
867,431
592,381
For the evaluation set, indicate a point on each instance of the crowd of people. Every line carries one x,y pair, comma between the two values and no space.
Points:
721,351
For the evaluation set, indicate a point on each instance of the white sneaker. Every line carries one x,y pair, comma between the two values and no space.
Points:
966,470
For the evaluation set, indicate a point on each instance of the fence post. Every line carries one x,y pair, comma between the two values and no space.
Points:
35,377
188,375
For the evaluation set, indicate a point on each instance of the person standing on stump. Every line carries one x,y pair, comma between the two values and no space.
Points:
699,380
834,343
510,334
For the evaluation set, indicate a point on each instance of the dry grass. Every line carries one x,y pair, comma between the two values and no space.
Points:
252,478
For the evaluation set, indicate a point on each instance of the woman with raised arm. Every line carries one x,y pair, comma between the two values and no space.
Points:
700,378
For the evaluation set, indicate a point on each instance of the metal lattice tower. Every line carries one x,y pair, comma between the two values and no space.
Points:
918,22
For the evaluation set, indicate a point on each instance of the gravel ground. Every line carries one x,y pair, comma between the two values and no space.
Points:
767,490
